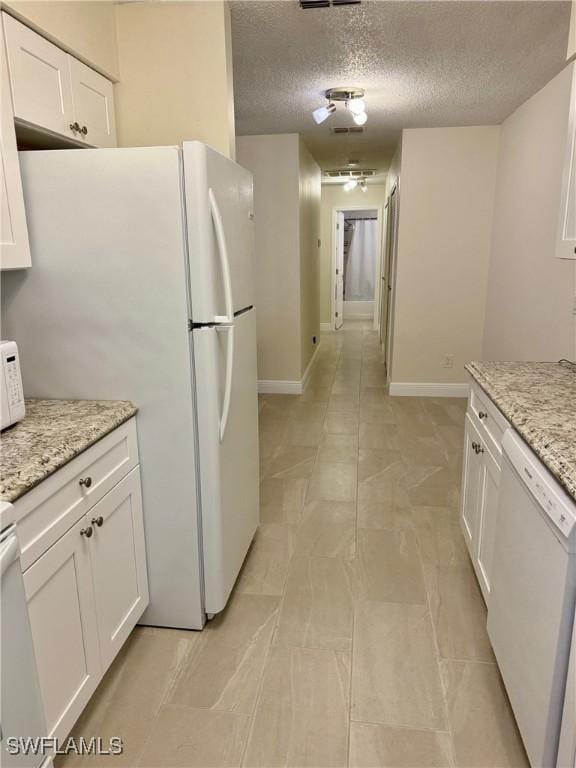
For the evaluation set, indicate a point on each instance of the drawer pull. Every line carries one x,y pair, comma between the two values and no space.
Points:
477,448
86,482
482,415
99,521
86,532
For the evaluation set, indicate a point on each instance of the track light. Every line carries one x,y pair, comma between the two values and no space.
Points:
356,106
350,185
363,185
323,113
360,118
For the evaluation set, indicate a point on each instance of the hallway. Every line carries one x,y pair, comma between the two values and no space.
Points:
356,632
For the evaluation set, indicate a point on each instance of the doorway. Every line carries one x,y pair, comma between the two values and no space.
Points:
356,265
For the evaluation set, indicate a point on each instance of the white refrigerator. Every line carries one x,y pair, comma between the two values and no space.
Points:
142,289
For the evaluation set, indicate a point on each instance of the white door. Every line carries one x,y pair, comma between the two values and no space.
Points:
471,487
220,233
339,272
227,402
14,245
487,519
63,619
118,558
93,100
40,79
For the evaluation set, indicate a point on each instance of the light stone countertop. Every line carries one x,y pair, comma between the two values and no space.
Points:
539,401
52,433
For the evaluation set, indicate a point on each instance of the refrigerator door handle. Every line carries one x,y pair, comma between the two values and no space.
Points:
224,261
228,380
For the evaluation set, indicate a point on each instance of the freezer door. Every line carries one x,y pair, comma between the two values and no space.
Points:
228,450
220,232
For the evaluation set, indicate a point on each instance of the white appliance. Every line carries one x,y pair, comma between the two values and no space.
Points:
142,288
21,713
533,596
12,408
567,749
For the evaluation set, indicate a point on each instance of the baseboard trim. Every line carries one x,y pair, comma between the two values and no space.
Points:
277,387
326,327
417,389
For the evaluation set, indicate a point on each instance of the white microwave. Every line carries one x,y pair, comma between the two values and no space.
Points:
12,407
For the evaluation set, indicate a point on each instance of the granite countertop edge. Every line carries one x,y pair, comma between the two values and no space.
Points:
534,434
28,467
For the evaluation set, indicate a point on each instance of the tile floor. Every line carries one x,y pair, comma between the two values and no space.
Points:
356,632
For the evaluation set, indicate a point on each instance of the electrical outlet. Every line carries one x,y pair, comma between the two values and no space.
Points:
448,361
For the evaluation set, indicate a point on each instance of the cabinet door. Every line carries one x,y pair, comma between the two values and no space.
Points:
63,618
93,100
118,564
40,79
488,516
14,245
471,487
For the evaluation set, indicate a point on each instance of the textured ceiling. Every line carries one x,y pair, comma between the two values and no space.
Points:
422,64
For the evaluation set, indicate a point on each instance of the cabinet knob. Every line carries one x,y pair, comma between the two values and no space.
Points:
482,415
75,127
84,130
85,481
475,447
86,531
99,521
480,449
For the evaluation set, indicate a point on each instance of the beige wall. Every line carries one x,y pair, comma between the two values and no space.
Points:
175,74
530,292
274,161
572,38
87,29
310,188
446,204
334,196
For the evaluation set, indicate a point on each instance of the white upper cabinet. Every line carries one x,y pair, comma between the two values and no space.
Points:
54,91
40,78
14,245
566,240
93,98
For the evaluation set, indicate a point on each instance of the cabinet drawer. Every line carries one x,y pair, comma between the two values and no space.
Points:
45,513
489,420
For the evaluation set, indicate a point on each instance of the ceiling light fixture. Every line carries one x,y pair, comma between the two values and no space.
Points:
363,185
350,185
353,99
323,113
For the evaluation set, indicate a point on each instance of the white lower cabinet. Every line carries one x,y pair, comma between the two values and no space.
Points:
118,561
480,484
86,592
62,613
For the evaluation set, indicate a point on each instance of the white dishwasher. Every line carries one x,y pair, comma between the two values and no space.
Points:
533,596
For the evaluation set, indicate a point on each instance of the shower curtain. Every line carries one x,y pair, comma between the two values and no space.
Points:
361,262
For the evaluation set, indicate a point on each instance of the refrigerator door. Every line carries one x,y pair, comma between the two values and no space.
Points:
220,234
225,362
104,315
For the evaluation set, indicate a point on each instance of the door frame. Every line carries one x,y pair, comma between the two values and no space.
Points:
377,267
389,270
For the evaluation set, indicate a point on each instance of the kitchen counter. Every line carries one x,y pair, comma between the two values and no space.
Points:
52,433
539,401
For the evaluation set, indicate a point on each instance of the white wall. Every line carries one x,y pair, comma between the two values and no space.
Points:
530,292
87,29
309,225
447,185
175,74
334,196
572,38
274,161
